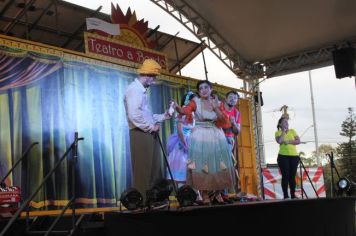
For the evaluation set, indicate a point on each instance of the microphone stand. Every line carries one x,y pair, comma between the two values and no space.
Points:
332,167
301,179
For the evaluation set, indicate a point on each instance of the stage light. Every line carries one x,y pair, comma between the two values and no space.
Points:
160,191
186,196
131,199
345,185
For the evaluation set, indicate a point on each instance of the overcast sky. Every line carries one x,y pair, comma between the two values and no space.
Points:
332,96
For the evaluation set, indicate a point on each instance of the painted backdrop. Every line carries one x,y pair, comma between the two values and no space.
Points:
47,99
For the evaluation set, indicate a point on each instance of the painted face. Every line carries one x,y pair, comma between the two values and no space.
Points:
232,99
284,124
149,80
204,90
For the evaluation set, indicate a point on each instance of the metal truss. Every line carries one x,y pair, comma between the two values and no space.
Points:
201,28
302,61
296,63
256,117
196,24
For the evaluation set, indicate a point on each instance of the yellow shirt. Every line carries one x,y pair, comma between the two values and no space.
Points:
287,149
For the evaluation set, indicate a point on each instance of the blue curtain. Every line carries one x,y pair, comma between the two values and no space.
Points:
74,97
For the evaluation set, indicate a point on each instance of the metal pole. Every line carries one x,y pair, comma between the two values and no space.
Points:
258,132
314,120
244,87
332,174
310,181
259,125
261,157
177,56
175,187
18,162
206,71
74,162
301,178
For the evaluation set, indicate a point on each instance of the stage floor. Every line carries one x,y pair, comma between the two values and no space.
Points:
273,217
302,217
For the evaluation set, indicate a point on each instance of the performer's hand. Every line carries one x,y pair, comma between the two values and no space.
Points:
167,116
155,128
214,101
175,104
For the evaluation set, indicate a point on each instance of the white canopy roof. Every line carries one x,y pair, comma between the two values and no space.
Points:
284,35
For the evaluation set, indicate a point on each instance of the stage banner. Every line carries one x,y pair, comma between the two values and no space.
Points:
272,183
116,51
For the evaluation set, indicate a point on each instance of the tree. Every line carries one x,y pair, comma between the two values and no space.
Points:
323,150
307,161
347,150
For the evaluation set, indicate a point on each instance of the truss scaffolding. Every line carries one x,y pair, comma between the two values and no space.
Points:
200,27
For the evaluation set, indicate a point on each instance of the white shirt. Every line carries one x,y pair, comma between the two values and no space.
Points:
138,112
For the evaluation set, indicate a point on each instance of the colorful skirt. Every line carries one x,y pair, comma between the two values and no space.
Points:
177,158
210,165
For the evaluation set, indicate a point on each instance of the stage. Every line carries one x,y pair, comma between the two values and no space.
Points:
289,217
312,217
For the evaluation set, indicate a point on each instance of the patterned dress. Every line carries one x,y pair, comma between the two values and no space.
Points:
210,164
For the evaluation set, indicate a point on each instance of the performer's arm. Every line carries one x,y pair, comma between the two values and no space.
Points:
296,139
161,117
218,112
181,135
216,107
188,109
235,124
280,139
134,111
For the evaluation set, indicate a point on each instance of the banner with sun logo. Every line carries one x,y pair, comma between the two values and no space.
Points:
130,47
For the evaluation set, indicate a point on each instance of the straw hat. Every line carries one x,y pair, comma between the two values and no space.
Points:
149,67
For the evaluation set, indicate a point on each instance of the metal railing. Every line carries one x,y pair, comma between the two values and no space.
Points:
18,161
73,147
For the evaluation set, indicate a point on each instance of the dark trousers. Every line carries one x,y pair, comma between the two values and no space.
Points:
288,166
146,160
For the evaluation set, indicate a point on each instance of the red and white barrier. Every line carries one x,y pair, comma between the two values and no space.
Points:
272,183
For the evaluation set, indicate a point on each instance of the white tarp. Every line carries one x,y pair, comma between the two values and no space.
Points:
98,24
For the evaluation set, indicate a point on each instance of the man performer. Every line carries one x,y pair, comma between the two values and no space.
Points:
231,126
143,124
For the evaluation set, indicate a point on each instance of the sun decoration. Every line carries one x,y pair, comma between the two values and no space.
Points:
131,30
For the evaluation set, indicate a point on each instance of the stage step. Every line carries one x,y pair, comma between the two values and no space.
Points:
89,225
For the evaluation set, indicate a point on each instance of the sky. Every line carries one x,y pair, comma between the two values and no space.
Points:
332,96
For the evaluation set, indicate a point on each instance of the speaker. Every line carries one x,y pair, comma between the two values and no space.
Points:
256,99
344,62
